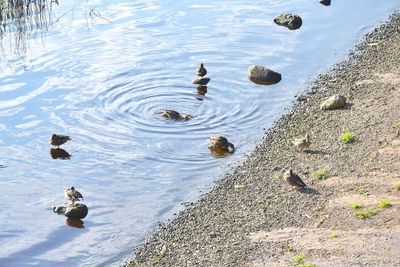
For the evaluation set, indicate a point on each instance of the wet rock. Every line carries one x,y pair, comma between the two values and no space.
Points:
325,2
73,211
262,75
288,20
201,81
301,98
334,102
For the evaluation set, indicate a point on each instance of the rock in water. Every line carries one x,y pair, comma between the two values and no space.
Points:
290,21
201,81
262,75
334,102
75,211
325,2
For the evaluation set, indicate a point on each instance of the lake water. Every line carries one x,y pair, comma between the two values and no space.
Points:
103,71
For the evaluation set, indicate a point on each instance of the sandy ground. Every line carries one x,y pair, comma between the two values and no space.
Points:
262,223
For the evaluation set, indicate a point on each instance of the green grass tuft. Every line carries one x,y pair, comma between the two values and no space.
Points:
397,125
299,258
321,174
291,249
355,206
397,186
347,137
385,204
307,265
278,176
333,235
365,214
363,192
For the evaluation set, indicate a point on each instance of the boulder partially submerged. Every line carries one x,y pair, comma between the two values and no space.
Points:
288,20
334,102
262,75
73,211
201,80
325,2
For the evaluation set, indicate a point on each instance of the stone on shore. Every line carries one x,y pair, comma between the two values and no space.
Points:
325,2
201,81
288,20
76,211
262,75
334,102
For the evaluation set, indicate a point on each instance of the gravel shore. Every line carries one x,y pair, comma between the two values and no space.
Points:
259,222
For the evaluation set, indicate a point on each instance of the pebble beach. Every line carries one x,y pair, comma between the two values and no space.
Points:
251,218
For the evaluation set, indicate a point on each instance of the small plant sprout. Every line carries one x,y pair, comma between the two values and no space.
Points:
397,126
385,204
333,235
397,186
278,176
355,206
307,265
363,192
299,258
365,214
321,174
347,137
291,249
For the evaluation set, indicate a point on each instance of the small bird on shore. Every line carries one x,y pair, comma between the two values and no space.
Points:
201,71
175,115
58,140
72,194
302,143
220,142
293,180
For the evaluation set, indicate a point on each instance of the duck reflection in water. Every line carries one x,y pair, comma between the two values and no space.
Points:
75,222
59,153
201,92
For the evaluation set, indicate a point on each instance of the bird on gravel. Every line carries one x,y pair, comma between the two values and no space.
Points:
302,143
72,194
58,140
201,71
293,180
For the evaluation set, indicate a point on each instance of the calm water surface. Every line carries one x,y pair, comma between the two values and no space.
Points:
102,71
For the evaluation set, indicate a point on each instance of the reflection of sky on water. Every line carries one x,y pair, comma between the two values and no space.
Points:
105,84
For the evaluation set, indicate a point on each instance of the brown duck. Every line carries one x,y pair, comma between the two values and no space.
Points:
201,71
302,143
72,194
175,115
58,140
293,180
222,143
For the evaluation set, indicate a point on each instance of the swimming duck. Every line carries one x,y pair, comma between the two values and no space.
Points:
302,143
72,194
175,115
293,180
201,71
220,142
58,140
